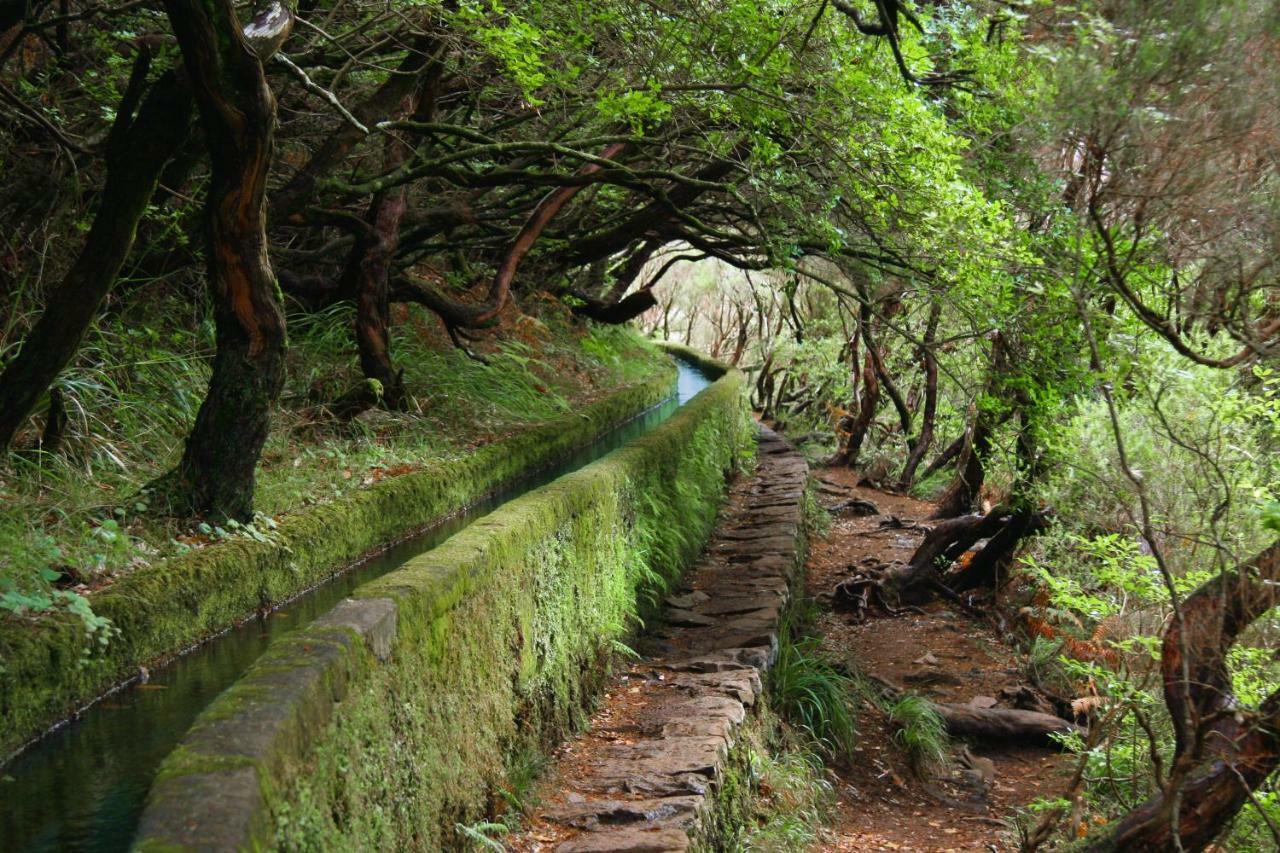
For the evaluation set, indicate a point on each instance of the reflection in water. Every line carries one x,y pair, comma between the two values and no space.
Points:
83,787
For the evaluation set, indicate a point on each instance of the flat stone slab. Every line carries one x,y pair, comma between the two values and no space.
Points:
630,840
602,813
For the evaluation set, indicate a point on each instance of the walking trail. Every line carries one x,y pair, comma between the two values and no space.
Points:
941,654
664,736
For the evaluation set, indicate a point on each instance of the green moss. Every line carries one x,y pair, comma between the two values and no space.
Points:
705,363
174,603
502,637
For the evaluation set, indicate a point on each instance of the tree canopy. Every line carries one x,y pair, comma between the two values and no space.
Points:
1022,253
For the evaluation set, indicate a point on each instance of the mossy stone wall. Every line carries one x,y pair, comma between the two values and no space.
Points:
166,607
389,737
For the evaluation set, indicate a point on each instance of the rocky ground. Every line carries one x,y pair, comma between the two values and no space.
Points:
942,654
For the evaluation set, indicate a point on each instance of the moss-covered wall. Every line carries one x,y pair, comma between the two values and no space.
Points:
699,359
173,604
391,731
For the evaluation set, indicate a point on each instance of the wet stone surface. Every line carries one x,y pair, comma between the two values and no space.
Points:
644,776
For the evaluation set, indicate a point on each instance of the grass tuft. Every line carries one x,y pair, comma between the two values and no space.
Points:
815,696
922,734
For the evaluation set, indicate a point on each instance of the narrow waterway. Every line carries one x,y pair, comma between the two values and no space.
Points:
83,786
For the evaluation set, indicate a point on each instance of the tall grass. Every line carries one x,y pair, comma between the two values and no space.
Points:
81,516
794,797
815,696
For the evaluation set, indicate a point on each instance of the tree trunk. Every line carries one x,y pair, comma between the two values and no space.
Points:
373,307
868,402
928,418
924,576
1223,752
614,313
367,275
948,456
216,473
139,148
961,495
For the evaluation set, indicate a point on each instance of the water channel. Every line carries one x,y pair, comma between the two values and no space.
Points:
83,786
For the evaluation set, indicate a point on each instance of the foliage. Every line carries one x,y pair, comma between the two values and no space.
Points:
922,734
814,696
1044,231
794,796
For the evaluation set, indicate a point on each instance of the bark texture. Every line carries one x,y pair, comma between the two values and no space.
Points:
1223,752
216,474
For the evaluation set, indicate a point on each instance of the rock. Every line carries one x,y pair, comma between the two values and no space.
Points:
629,840
723,659
982,702
687,600
856,507
1028,698
678,618
589,815
926,678
984,767
927,660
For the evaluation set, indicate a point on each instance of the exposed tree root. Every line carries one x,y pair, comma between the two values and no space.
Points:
1010,724
891,586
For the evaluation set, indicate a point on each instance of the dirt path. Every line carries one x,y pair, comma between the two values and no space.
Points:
943,655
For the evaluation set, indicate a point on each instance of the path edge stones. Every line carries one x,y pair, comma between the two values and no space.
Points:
678,776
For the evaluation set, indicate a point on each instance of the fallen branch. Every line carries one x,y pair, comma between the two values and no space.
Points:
1005,723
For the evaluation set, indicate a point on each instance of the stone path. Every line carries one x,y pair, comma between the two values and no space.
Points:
655,770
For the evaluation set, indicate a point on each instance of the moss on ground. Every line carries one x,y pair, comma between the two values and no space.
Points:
164,607
502,636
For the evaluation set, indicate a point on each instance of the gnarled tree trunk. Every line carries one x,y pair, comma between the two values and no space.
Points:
139,147
1223,752
216,473
868,401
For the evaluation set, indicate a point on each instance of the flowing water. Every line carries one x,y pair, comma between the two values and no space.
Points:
82,787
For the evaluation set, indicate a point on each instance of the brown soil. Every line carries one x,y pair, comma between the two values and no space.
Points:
882,805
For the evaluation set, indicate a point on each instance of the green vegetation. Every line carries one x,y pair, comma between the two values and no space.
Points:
1016,257
921,733
501,636
813,695
794,797
85,513
53,664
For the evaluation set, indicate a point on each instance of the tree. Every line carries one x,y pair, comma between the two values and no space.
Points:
142,141
237,110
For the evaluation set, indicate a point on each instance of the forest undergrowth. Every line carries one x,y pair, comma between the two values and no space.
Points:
74,519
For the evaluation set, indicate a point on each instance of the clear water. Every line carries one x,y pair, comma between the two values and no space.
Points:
83,786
